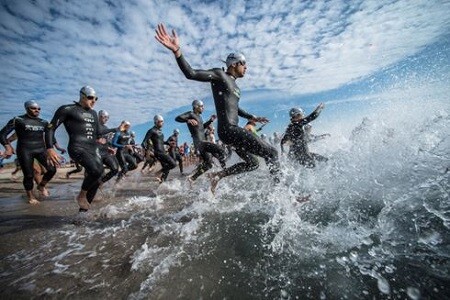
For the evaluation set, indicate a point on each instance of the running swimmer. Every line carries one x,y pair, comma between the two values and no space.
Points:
107,152
121,141
82,126
30,131
173,150
226,98
157,138
295,133
196,127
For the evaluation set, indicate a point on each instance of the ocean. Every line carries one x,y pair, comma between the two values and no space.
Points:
376,226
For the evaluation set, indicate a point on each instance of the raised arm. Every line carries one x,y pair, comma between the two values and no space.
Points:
172,43
313,115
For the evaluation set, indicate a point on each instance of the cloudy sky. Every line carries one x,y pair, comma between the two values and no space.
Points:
50,49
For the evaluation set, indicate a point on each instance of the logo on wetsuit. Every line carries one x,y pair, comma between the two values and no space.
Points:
34,128
237,92
89,119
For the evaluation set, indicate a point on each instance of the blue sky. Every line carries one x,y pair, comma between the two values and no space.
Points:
299,53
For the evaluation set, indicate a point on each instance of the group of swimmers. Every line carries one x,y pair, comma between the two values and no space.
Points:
88,134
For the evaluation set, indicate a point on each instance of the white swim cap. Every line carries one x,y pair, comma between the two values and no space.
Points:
30,103
157,118
233,58
103,113
88,91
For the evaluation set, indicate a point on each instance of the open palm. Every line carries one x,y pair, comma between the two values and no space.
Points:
169,41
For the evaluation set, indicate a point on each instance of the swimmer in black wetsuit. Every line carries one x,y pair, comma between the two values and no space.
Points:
30,131
196,127
174,150
81,123
226,99
157,138
107,153
295,133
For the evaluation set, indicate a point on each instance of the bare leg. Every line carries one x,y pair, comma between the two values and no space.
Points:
31,198
41,188
214,179
82,200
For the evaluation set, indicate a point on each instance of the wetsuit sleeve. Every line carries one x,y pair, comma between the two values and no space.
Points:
58,119
244,114
104,130
9,127
144,143
183,118
207,123
115,141
198,75
286,137
310,118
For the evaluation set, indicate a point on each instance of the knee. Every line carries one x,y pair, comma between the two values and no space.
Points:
253,164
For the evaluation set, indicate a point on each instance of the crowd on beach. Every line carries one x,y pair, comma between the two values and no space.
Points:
106,153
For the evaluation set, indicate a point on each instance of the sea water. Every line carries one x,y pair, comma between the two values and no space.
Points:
376,226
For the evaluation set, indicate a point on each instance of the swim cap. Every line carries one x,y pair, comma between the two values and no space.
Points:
87,91
103,113
197,103
30,103
233,58
124,122
295,112
133,133
177,131
157,118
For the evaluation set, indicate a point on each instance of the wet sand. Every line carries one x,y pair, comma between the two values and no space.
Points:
20,221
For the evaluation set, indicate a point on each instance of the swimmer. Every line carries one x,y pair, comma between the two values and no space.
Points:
107,152
295,133
82,125
226,96
30,131
157,139
196,127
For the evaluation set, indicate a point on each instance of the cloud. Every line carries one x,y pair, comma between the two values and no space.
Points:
49,50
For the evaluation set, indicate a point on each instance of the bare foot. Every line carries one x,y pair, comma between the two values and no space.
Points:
43,191
83,203
159,180
191,181
33,201
214,179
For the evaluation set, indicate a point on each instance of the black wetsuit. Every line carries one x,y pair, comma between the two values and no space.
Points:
206,149
172,142
77,169
108,158
299,150
30,145
82,126
126,161
157,138
226,99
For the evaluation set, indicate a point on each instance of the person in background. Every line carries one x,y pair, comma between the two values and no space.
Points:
156,136
172,142
295,133
30,131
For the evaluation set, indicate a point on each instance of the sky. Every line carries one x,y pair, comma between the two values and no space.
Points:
299,53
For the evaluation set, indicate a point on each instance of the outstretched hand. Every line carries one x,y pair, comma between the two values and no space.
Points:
169,41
